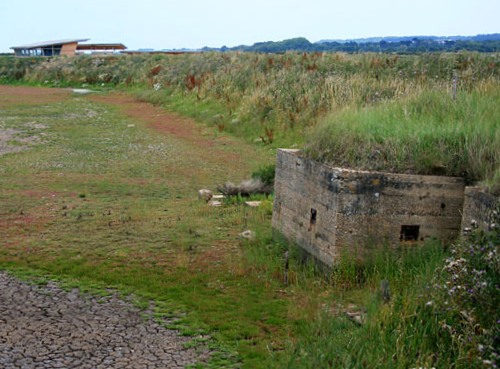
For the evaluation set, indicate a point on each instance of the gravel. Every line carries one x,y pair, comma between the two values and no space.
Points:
48,327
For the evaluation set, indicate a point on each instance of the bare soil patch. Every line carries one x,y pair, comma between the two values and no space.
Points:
164,122
11,140
31,95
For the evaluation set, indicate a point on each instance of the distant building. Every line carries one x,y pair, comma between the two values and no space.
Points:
100,48
68,47
156,52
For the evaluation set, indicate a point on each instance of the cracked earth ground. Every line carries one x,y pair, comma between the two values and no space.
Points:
44,327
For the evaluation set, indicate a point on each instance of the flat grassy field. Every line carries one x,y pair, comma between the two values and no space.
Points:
106,195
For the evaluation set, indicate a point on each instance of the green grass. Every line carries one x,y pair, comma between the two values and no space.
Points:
431,133
105,201
387,112
104,204
398,334
271,99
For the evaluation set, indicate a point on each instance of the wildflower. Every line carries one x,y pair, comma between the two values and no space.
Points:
446,326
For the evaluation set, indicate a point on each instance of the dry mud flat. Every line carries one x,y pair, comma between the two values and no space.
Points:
31,95
12,95
7,135
44,327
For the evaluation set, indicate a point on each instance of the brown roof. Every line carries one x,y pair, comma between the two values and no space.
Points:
101,47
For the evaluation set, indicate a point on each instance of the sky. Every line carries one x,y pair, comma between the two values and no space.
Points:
168,24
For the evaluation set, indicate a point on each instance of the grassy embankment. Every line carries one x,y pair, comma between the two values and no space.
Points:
241,295
431,133
279,99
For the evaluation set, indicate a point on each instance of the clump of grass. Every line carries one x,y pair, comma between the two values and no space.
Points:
431,133
266,174
400,333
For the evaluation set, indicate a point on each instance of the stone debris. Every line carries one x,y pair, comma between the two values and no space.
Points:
81,91
248,235
357,317
467,231
44,327
253,204
352,312
205,195
216,200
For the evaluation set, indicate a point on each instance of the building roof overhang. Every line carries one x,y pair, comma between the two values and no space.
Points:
50,43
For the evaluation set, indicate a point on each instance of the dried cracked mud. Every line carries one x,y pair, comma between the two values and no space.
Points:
48,327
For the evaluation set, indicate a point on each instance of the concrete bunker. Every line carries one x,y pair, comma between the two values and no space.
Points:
330,211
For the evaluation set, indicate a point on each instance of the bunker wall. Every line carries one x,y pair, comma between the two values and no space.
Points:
331,211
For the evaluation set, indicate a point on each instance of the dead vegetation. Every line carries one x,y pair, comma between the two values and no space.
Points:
246,188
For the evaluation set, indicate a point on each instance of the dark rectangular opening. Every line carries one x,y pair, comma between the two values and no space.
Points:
313,216
312,220
409,233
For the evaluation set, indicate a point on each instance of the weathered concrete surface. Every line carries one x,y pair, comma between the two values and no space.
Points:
330,211
478,208
44,327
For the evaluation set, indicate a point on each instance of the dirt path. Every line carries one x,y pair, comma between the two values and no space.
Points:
31,95
221,149
160,120
12,95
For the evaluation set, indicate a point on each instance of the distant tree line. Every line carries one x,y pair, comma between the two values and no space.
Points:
481,43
